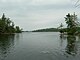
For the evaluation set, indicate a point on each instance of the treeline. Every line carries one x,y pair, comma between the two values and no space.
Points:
47,30
7,26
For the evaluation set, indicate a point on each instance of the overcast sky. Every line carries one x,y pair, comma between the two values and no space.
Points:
37,14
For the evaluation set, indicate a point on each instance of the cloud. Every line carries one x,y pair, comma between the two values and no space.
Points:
34,14
45,2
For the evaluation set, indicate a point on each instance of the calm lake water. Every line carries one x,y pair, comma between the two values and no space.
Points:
39,46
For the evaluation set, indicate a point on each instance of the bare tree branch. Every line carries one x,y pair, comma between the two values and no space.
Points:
76,4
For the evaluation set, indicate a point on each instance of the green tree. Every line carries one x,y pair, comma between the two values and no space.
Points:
61,29
18,30
71,21
7,26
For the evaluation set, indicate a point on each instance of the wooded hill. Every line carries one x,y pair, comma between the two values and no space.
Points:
47,30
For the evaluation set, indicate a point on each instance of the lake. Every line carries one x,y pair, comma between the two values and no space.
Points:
39,46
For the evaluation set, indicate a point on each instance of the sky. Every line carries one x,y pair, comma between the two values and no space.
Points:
38,14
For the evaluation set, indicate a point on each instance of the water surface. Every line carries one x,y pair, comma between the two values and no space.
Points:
39,46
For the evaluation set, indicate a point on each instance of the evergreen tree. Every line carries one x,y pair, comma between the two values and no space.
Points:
71,23
18,30
61,29
7,26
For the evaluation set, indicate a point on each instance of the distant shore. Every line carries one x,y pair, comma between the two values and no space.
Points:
47,30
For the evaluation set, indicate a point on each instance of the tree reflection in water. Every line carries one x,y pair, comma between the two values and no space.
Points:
6,43
71,47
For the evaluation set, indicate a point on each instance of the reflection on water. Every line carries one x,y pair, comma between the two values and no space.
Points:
6,44
39,46
71,45
63,37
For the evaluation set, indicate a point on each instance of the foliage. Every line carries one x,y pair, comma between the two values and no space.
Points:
17,29
61,29
71,21
6,25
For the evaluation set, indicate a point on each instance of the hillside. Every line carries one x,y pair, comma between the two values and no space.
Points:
47,30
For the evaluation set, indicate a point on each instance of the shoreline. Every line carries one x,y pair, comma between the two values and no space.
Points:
7,33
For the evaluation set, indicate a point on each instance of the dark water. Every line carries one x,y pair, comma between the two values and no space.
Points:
39,46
